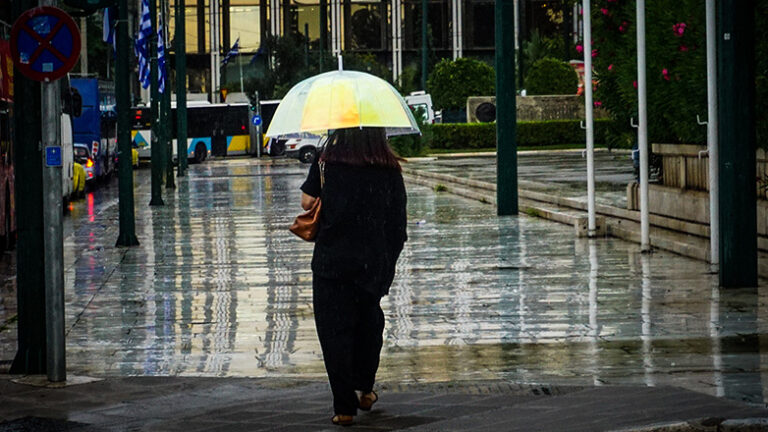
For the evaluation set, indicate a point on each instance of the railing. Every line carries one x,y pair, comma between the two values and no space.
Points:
686,166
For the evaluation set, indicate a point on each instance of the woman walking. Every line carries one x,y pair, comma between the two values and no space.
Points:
362,231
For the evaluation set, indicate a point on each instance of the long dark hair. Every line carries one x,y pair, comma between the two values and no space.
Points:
360,147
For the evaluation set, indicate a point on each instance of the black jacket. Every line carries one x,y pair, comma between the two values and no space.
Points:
362,224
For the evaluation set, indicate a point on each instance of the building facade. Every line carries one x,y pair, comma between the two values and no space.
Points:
388,29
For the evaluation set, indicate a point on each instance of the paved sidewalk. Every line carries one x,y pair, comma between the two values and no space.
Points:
239,404
211,318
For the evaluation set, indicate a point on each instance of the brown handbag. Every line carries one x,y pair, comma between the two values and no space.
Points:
307,224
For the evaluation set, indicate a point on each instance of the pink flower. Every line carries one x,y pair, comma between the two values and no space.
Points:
634,84
683,48
623,27
598,104
594,53
665,74
605,11
610,67
579,49
679,29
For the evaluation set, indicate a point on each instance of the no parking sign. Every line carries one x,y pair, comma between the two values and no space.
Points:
45,43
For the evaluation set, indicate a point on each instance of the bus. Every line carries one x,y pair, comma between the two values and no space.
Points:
212,130
95,129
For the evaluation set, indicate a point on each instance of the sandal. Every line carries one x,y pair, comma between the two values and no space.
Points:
367,400
343,420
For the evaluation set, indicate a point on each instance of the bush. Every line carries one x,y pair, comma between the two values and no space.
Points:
676,68
550,76
452,81
529,133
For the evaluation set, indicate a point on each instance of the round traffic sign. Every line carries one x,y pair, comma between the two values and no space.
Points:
45,43
256,120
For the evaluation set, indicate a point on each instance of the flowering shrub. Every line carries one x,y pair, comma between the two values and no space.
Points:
675,70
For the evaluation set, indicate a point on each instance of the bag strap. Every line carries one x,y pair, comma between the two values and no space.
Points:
322,173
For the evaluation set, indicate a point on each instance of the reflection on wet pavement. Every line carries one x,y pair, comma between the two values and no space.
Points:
219,287
558,172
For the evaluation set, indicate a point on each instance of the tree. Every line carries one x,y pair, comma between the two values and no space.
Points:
452,81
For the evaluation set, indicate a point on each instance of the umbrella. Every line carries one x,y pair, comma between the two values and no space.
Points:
342,99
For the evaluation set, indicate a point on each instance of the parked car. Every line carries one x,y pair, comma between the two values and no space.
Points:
303,147
83,157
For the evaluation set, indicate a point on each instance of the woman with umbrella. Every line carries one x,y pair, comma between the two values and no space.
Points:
362,223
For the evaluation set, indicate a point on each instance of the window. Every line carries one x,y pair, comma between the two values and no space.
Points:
479,24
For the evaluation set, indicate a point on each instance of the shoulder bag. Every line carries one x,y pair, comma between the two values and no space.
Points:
307,224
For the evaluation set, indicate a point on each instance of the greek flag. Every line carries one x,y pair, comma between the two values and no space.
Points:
162,71
255,56
141,47
108,30
235,50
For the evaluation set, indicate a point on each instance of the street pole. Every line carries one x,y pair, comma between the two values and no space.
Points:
642,127
424,44
588,107
156,151
53,237
165,101
181,87
712,145
84,46
736,135
30,270
506,106
127,235
323,31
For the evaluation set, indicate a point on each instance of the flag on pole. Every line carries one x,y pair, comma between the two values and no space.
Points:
235,50
162,71
141,46
255,56
108,30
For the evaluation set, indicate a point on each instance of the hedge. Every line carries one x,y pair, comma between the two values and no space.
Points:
529,133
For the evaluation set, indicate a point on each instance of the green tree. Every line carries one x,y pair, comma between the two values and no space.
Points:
550,76
452,81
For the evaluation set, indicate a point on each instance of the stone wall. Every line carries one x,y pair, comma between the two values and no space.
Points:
554,107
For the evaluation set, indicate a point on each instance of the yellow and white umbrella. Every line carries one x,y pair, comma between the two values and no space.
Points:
342,99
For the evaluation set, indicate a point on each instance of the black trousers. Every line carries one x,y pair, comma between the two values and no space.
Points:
350,325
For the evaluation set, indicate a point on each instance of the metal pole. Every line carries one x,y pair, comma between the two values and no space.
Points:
259,135
84,46
588,108
323,34
642,129
506,106
714,191
127,235
28,214
53,237
165,103
181,87
156,151
736,138
216,38
424,43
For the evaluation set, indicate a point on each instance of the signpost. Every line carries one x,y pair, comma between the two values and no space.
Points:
45,45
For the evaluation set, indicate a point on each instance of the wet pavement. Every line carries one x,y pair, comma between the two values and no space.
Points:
559,172
220,288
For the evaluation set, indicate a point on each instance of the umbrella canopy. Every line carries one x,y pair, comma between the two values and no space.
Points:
342,99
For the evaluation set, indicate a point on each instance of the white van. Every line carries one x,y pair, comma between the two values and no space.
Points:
423,100
67,158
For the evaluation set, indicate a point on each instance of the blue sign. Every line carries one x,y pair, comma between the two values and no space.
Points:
53,156
45,43
256,120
